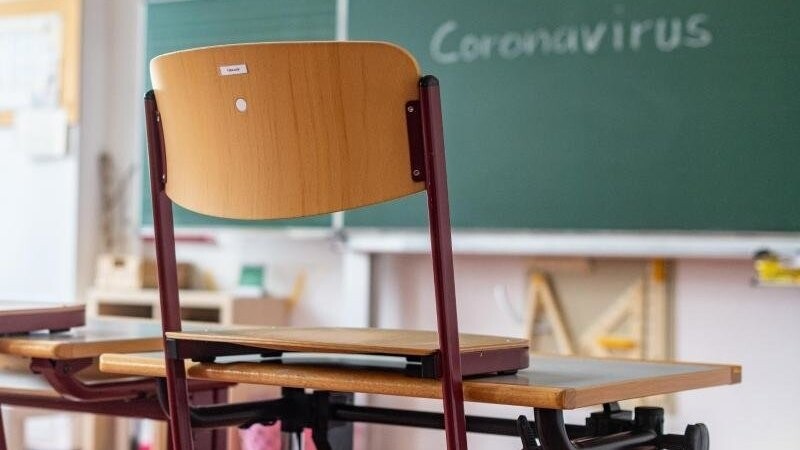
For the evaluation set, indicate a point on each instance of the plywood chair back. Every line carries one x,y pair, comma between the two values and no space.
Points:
283,130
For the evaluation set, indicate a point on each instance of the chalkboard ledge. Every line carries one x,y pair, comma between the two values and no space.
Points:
718,245
642,244
221,234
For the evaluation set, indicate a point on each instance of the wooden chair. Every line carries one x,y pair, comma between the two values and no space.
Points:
285,130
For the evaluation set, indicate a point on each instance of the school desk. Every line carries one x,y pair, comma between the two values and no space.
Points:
22,317
552,384
58,375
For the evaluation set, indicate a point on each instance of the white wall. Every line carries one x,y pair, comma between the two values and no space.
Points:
720,317
125,111
50,233
95,94
38,230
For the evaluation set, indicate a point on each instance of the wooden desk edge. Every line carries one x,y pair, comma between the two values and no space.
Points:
45,307
136,365
716,375
391,384
33,348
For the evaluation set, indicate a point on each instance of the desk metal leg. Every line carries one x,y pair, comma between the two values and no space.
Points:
553,435
611,429
330,415
291,441
220,437
210,439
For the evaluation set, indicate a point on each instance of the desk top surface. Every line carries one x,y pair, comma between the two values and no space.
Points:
10,308
97,337
552,381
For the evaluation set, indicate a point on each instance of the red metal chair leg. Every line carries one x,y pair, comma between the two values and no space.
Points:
442,252
2,431
177,392
180,424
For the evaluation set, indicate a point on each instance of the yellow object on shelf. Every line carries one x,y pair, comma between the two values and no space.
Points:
772,269
612,343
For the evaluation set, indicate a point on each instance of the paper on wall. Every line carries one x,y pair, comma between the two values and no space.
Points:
42,132
31,52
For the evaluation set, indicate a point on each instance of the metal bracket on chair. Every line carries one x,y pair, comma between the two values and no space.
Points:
156,137
416,146
207,351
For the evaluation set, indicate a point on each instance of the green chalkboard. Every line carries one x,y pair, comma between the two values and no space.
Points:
178,25
606,114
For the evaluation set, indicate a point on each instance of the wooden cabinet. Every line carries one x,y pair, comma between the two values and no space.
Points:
196,305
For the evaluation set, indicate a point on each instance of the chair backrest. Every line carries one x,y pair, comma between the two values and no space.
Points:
281,130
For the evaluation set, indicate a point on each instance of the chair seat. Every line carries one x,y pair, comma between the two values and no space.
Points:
480,354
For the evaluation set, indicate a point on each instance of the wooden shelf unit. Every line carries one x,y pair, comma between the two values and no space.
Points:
216,307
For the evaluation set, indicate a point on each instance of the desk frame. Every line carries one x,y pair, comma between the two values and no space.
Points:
321,411
134,398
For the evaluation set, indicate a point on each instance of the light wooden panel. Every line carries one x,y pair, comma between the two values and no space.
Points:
98,337
349,340
324,129
552,382
70,11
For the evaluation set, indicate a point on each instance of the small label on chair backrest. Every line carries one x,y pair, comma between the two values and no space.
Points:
236,69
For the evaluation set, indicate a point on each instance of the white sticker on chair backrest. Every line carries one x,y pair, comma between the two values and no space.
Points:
235,69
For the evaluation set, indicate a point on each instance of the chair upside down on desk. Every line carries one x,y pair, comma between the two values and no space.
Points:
287,130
